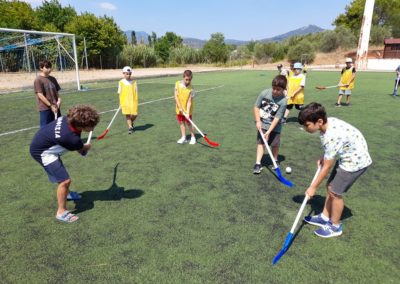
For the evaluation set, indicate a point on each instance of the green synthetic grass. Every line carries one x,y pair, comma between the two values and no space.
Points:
154,211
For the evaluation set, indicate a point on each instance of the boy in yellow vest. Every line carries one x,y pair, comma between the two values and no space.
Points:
184,94
128,97
295,94
347,82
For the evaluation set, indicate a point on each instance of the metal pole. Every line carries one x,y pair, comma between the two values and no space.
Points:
76,63
27,54
84,45
34,64
1,62
59,55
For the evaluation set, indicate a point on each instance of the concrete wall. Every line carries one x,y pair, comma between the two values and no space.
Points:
383,64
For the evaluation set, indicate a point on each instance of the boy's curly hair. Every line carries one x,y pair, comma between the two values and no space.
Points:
312,113
83,116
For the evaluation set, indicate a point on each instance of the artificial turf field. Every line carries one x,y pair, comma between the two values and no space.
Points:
154,211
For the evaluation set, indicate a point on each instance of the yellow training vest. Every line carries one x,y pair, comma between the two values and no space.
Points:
346,77
128,97
183,92
294,84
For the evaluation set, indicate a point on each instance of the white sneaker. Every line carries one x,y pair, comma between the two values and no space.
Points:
192,140
182,140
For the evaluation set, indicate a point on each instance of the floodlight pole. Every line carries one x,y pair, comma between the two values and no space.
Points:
362,50
76,63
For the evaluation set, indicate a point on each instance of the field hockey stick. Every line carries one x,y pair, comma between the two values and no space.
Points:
290,235
395,89
87,142
211,143
328,87
109,125
277,169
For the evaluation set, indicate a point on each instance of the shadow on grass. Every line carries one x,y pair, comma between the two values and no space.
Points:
115,193
292,119
143,127
317,205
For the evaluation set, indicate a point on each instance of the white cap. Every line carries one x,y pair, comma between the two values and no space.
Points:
127,69
349,60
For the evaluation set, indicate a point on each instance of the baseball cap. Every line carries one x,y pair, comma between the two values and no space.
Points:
127,69
298,65
349,60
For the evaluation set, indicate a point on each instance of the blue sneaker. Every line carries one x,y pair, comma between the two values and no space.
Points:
72,195
329,231
315,220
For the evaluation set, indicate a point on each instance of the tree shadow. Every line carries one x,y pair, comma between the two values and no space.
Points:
143,127
115,193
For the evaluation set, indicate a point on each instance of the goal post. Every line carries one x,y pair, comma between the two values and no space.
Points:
21,50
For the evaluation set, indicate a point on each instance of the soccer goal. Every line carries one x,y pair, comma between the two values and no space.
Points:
22,50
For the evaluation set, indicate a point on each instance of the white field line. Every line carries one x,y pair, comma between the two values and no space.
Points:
112,110
102,88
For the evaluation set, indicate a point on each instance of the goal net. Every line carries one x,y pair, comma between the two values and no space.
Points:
22,50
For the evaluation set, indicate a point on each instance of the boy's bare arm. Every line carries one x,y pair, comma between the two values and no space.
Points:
257,117
47,102
326,167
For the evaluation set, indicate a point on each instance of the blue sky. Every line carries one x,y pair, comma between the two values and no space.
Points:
236,19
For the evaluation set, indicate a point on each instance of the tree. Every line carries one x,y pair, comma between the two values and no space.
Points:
215,49
304,47
386,13
103,38
133,38
53,17
17,15
164,45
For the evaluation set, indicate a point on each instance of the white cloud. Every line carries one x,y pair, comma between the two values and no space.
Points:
108,6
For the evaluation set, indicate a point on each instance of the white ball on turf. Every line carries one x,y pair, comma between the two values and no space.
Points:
288,170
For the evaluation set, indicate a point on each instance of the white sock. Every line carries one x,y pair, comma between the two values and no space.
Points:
326,219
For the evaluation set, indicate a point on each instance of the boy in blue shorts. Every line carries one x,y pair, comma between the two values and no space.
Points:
56,138
268,112
346,153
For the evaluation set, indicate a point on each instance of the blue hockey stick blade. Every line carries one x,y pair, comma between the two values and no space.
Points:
282,179
284,249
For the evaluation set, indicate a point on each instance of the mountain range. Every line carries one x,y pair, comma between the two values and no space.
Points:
199,43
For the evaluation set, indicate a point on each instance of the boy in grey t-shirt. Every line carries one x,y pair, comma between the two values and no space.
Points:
268,112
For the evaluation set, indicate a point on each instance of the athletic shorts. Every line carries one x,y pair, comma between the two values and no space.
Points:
298,106
345,92
274,138
182,118
340,180
56,171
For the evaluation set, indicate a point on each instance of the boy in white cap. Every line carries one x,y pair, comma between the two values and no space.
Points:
346,82
295,93
128,97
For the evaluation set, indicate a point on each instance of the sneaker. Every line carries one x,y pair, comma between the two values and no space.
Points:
329,231
257,169
131,130
315,220
338,105
73,196
347,104
192,140
182,140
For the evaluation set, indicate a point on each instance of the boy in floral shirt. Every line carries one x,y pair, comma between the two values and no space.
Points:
346,151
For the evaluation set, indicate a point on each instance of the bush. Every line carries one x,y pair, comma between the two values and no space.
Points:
138,55
296,52
185,55
329,41
378,34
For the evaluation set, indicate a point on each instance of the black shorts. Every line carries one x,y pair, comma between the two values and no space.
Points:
274,138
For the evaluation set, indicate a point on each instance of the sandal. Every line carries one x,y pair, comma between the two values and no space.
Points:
67,217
